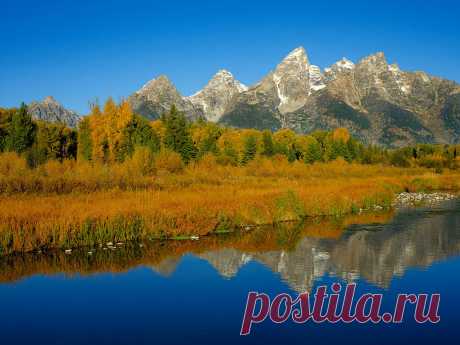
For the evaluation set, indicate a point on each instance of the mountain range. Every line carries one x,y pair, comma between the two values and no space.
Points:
377,101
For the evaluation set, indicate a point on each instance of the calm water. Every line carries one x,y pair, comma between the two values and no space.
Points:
195,292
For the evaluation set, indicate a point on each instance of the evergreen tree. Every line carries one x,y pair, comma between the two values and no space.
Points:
228,154
313,153
352,150
144,135
85,145
268,145
206,136
250,149
293,153
21,132
177,134
5,123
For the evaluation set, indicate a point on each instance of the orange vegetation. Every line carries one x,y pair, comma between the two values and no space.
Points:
196,200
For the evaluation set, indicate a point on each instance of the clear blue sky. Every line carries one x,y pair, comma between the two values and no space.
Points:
78,51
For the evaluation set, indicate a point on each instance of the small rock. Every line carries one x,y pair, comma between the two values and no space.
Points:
68,251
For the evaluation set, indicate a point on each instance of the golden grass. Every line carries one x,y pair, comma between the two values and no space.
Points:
203,198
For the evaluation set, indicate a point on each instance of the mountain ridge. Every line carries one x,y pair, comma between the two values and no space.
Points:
375,100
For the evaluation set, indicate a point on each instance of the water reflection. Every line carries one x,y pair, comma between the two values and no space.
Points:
371,247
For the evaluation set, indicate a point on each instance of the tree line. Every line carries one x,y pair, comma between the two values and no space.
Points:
113,133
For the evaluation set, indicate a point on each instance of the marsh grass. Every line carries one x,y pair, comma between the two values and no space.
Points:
199,200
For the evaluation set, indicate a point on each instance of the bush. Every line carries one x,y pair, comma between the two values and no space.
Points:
207,162
168,161
11,164
57,169
142,162
400,160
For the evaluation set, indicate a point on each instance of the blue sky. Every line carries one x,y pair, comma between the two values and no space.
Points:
79,51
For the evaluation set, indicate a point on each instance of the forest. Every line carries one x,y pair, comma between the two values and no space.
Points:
115,135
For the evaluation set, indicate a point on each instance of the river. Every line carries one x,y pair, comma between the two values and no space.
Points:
194,292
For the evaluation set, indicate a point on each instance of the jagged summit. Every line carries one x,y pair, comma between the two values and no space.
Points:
157,96
52,111
377,59
295,79
376,100
223,77
344,63
298,53
159,82
50,100
296,61
214,98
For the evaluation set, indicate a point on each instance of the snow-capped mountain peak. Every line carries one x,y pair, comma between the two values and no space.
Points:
214,98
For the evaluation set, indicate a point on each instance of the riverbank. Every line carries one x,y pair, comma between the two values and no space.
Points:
203,200
121,257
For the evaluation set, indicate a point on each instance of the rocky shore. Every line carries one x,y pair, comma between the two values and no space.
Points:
416,199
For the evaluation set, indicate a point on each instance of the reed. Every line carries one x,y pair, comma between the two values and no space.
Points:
154,254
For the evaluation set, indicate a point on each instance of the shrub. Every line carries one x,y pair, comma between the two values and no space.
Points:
142,162
11,164
168,161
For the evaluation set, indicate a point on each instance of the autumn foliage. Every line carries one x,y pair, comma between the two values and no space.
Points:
121,177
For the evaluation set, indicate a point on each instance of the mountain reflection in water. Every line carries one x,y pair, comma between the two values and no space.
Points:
373,247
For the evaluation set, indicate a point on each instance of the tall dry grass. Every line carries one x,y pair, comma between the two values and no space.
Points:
199,199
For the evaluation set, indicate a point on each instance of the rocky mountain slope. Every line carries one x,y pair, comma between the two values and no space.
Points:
157,96
52,111
375,100
215,97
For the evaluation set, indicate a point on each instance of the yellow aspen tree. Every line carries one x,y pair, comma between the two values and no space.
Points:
341,134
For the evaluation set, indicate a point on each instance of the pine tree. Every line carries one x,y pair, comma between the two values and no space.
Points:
5,122
205,137
267,142
177,134
313,152
85,145
21,132
250,149
139,133
228,154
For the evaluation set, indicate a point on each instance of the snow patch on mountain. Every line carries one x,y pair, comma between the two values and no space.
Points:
316,78
214,98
